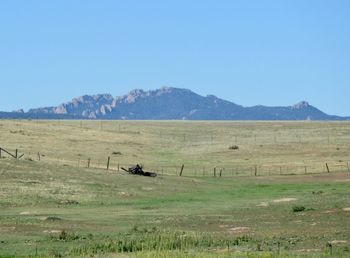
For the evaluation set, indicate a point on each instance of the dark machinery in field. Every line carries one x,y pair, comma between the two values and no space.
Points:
137,170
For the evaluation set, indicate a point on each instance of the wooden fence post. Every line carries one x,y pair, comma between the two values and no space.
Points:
305,169
16,155
108,162
88,163
214,171
38,156
256,171
182,169
327,167
0,152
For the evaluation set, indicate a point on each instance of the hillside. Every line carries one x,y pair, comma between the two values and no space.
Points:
169,104
57,206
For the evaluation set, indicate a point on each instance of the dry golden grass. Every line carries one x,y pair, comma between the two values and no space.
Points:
249,214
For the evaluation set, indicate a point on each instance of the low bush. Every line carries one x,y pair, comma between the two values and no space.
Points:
298,208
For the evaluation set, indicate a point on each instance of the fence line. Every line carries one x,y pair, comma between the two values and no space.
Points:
220,170
15,155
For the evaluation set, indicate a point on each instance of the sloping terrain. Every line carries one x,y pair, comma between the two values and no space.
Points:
169,104
56,206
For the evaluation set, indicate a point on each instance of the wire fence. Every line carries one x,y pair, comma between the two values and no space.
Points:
111,164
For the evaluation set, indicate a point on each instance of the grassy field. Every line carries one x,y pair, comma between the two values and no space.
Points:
57,207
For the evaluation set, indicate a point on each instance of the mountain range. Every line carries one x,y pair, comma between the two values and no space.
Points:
168,103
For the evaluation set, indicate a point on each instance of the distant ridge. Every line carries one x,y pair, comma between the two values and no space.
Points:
168,103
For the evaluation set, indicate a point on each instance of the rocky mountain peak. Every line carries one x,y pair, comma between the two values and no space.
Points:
90,98
21,111
301,104
174,103
133,95
164,90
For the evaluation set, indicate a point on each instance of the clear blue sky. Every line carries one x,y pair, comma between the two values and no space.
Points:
249,52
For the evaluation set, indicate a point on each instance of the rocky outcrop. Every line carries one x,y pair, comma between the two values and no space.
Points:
174,103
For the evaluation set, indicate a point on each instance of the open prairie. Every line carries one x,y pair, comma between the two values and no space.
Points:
248,189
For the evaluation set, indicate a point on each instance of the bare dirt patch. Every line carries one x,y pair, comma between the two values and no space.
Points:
330,211
334,242
343,180
125,194
239,229
263,204
308,250
28,213
266,204
346,209
288,199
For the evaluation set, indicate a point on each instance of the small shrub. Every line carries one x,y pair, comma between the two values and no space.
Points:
55,253
62,235
116,153
135,228
65,236
233,147
69,202
258,247
53,218
317,192
298,208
